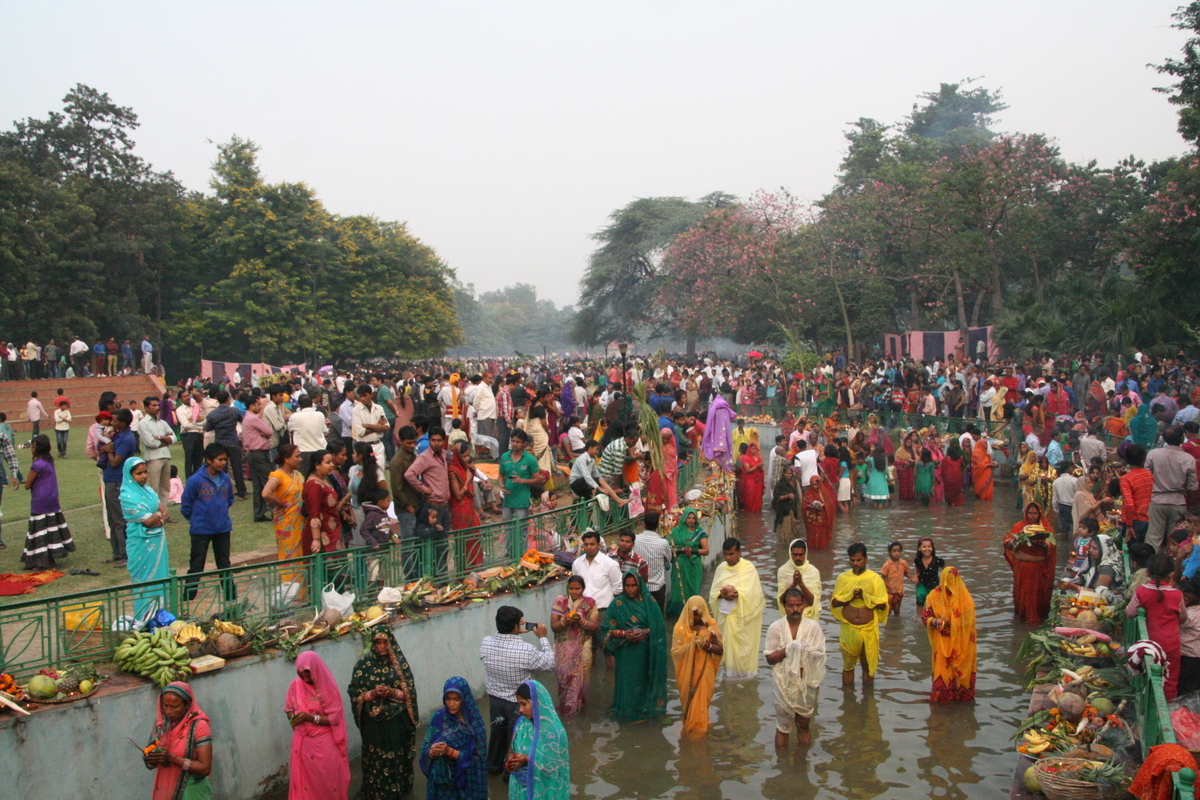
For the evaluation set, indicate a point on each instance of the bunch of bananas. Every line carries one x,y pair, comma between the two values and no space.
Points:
1087,646
188,632
1036,743
220,627
156,656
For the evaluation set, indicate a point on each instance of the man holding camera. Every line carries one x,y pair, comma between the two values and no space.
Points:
508,662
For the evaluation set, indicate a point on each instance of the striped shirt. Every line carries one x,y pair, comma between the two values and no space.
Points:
612,461
1136,486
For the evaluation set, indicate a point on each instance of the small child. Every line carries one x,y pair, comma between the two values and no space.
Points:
1166,612
860,476
1084,533
1189,636
429,528
375,529
457,434
1139,556
176,487
895,573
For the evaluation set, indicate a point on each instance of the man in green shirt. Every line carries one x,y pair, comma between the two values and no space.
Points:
518,471
386,398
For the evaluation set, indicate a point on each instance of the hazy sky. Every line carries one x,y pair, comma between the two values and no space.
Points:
504,133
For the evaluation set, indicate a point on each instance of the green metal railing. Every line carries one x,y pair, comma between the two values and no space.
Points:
1154,715
87,626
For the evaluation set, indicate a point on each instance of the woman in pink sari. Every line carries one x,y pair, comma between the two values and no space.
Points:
183,755
670,468
574,619
320,765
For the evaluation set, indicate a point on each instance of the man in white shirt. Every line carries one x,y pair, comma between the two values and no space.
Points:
79,355
307,427
156,438
806,459
1064,499
484,403
657,553
601,575
36,412
345,413
274,414
368,424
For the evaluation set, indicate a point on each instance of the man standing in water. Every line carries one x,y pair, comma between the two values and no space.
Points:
860,603
798,571
795,649
737,602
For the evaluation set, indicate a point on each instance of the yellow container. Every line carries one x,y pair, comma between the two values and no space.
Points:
84,616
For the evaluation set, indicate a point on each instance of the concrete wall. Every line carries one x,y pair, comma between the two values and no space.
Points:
79,750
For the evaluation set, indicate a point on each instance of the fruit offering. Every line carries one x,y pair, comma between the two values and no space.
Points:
156,656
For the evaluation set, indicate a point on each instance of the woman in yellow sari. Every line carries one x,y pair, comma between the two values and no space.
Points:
284,491
539,442
696,650
1037,483
949,617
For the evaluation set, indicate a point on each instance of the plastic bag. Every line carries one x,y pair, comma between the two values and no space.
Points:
285,593
635,507
333,600
1187,728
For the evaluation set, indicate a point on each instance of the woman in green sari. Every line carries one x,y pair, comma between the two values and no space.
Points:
689,545
384,697
636,635
540,761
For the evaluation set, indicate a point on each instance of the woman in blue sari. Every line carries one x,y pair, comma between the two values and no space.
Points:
540,761
454,754
145,540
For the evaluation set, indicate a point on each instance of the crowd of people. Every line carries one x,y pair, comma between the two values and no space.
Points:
76,359
375,458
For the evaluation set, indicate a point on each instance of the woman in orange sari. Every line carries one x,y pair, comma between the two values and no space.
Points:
751,480
981,470
696,650
1032,563
949,617
818,505
182,759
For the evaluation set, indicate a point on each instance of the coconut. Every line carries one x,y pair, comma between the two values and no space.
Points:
331,618
42,686
228,643
1071,706
1032,785
1103,706
374,612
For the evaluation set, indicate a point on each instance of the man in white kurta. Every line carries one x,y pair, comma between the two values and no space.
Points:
795,649
737,603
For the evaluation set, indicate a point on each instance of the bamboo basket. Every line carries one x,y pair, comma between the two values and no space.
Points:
1061,786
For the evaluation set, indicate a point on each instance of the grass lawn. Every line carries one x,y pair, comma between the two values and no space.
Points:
79,492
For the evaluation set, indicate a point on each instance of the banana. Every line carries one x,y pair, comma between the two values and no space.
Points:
1086,639
1038,748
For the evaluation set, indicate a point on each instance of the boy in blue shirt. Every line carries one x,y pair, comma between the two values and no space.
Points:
205,504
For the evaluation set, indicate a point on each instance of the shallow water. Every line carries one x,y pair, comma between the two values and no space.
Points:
883,742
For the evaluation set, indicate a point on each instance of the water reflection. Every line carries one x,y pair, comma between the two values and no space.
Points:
885,742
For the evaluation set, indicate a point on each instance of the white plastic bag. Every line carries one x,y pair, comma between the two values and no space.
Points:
331,599
285,593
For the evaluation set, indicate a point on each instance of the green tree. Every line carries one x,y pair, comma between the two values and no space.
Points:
1185,93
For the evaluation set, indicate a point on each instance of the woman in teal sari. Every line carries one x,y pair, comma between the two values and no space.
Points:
689,545
1143,428
540,761
145,540
636,635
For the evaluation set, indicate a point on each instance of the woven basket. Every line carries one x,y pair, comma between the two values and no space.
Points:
1104,626
1061,786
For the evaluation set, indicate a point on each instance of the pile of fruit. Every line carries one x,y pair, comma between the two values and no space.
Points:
157,656
761,419
50,684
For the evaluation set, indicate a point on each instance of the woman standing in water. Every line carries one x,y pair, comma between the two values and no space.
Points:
454,754
540,761
949,616
689,546
320,766
1030,554
951,472
636,634
574,619
696,650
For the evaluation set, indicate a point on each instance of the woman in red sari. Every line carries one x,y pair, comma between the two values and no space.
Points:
752,480
184,755
322,509
463,515
1033,566
832,466
671,468
818,505
981,470
951,473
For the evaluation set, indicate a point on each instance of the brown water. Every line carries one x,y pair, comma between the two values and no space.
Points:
884,742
